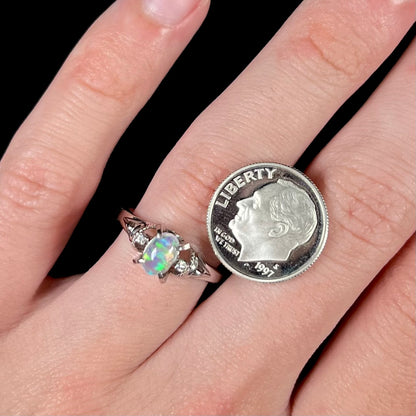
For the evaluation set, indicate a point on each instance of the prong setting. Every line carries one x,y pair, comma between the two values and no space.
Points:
162,251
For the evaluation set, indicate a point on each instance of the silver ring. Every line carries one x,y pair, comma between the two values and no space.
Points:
162,251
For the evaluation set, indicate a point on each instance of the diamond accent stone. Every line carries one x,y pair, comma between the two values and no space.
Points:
193,265
139,240
181,266
160,253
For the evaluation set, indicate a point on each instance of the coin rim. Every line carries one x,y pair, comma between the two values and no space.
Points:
325,222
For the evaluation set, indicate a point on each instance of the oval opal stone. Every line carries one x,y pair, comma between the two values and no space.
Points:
160,253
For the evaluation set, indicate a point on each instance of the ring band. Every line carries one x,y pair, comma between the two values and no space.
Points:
163,252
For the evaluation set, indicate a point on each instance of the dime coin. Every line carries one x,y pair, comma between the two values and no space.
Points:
267,222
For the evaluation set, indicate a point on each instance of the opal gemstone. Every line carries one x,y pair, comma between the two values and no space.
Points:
160,253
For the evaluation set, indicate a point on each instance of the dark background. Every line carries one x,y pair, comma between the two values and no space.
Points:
39,35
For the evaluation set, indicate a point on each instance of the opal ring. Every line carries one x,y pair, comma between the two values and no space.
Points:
162,251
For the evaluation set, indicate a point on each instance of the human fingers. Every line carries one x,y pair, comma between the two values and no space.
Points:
56,158
244,347
116,292
368,368
82,337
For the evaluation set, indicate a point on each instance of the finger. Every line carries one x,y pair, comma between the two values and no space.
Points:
115,291
369,366
55,160
268,332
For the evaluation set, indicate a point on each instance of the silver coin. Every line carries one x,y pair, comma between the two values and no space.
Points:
267,222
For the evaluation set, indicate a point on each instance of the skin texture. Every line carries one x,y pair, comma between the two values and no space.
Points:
114,341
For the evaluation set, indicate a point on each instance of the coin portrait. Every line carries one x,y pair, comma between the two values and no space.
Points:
267,222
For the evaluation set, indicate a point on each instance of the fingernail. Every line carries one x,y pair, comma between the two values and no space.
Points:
169,12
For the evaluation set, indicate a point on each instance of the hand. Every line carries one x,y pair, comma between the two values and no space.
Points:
116,341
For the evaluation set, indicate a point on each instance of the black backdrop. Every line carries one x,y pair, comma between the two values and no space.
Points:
39,35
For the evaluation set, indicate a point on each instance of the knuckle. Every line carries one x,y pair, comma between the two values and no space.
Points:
34,184
106,66
369,206
200,176
330,51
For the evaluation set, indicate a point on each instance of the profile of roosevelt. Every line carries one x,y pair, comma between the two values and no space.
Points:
275,220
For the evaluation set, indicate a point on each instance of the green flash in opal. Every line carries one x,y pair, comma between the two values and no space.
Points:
160,253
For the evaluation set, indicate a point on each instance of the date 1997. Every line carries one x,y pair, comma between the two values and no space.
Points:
264,270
